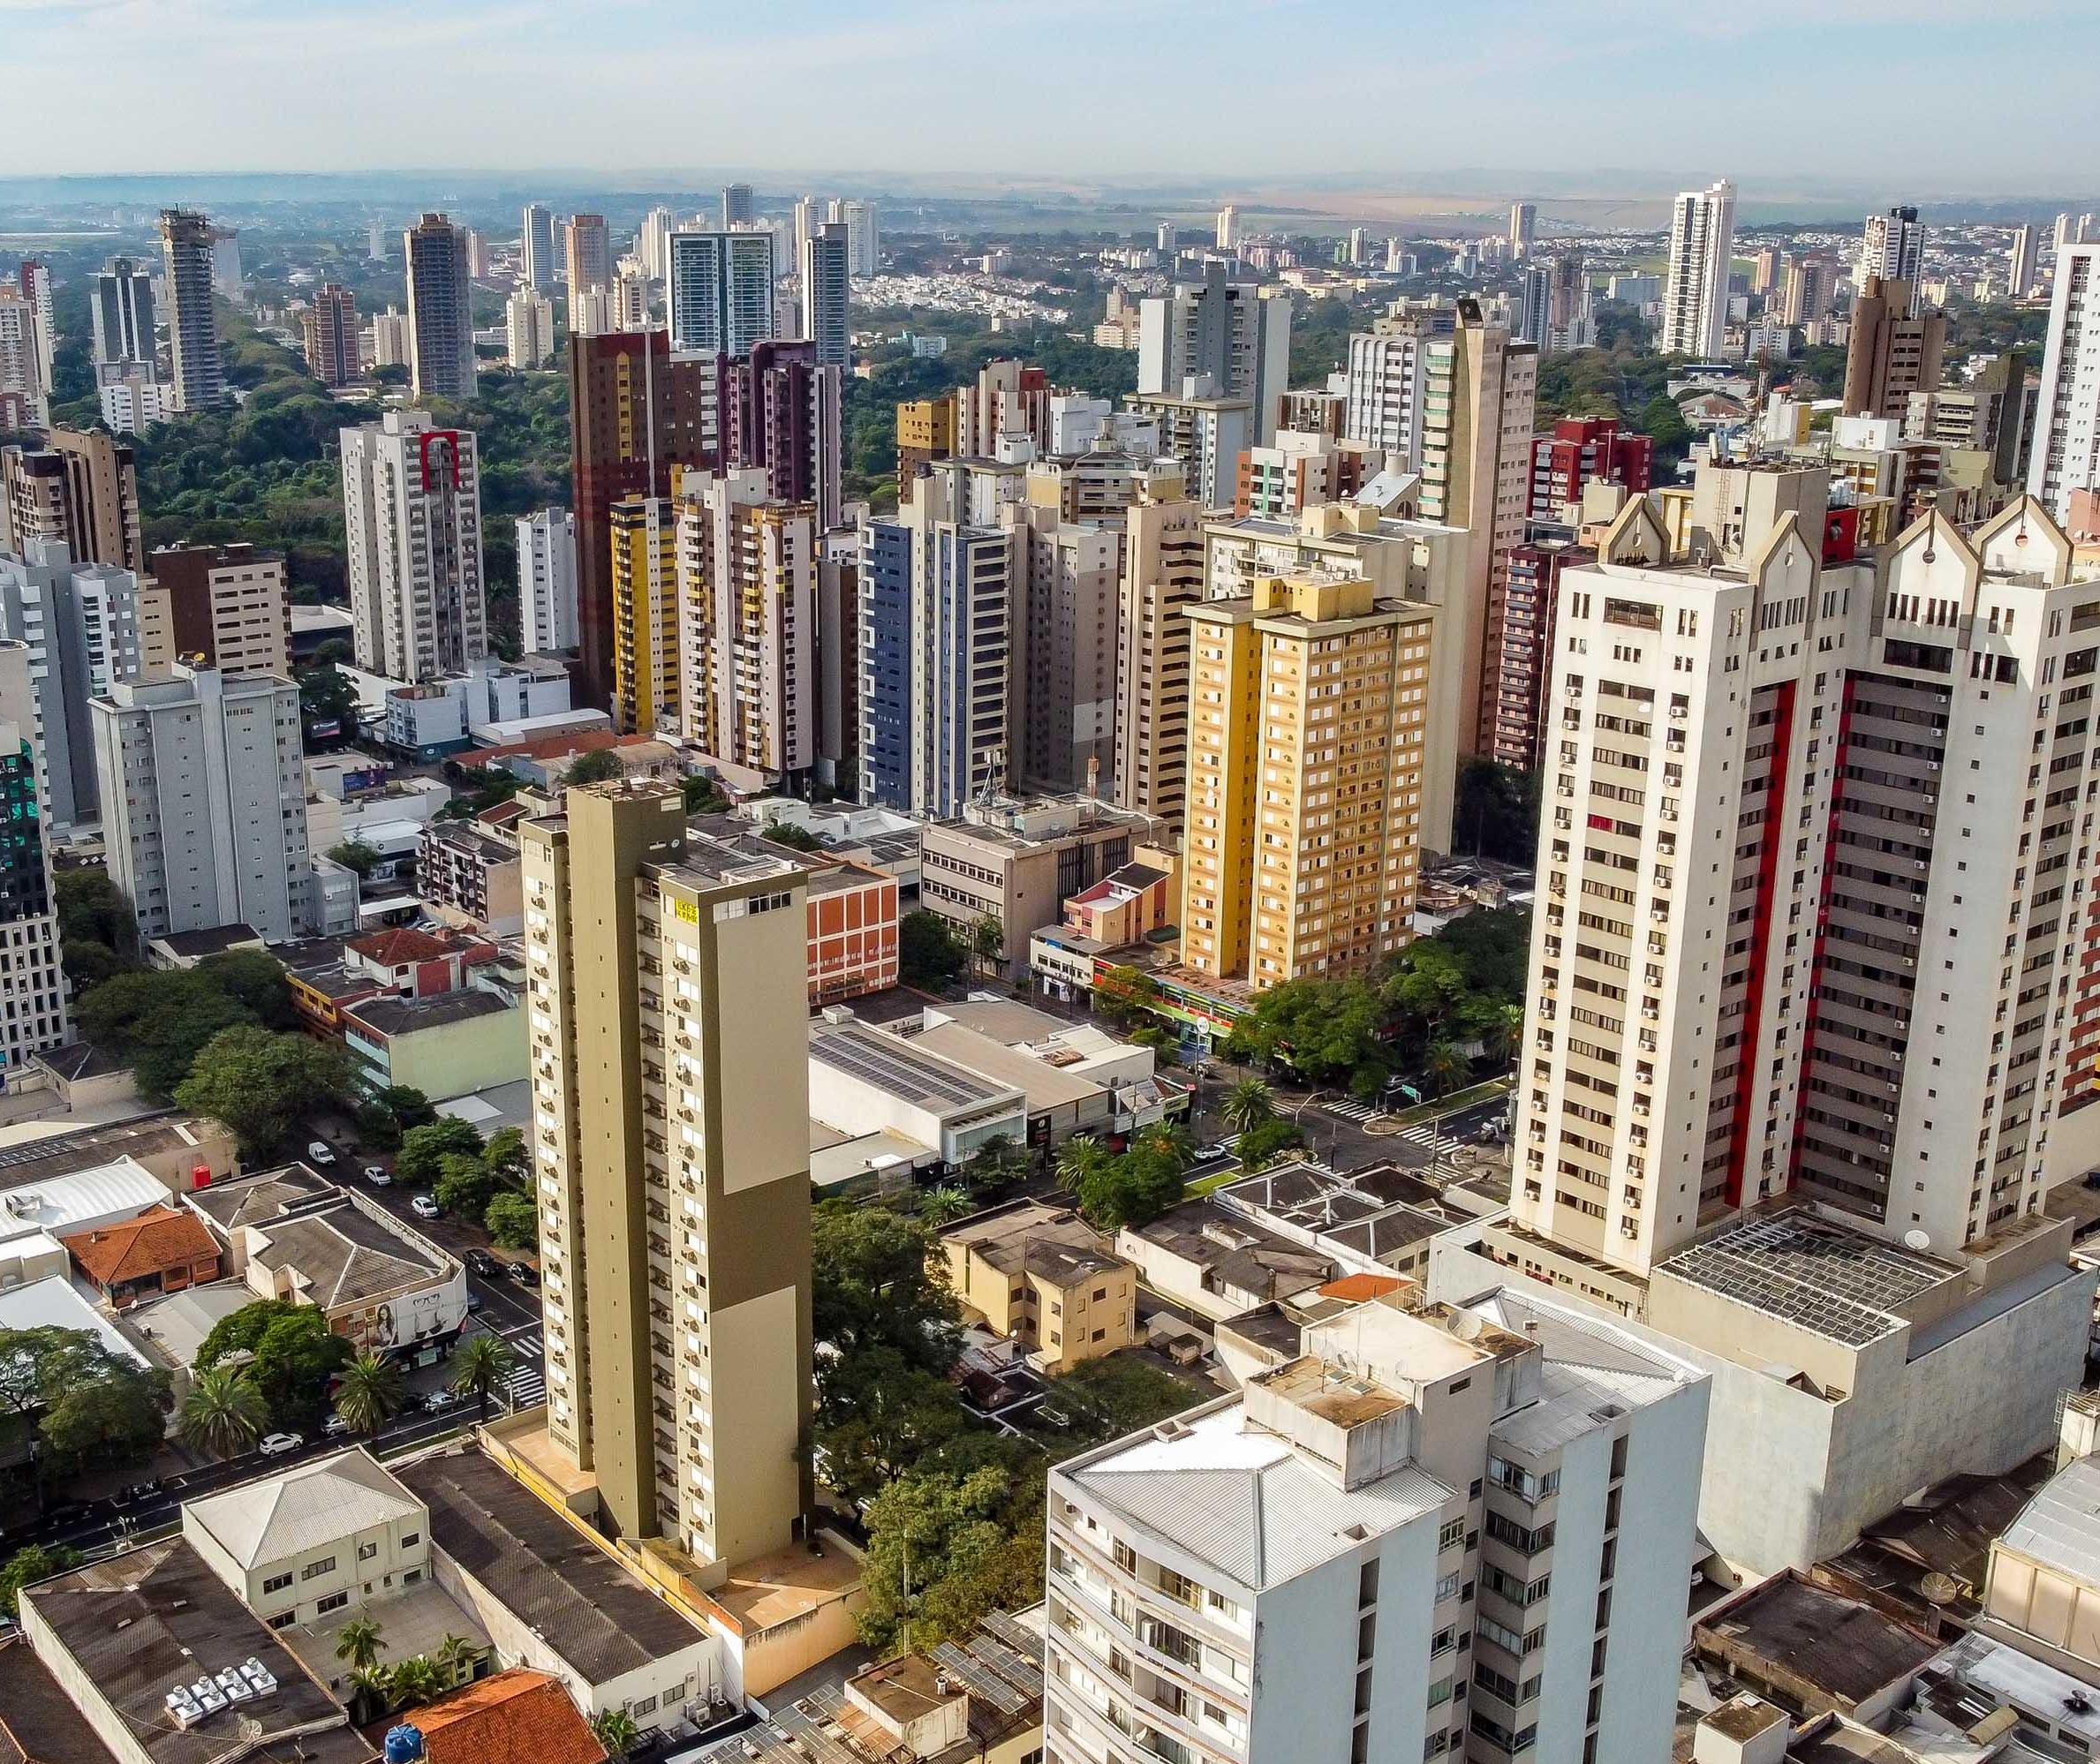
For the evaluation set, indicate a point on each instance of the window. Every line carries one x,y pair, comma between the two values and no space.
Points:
1452,1534
276,1583
335,1601
283,1620
411,1539
1367,1584
642,1705
315,1569
366,1551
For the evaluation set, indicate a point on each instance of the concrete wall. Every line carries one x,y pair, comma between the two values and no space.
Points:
452,1060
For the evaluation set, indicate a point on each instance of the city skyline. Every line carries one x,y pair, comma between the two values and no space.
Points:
406,89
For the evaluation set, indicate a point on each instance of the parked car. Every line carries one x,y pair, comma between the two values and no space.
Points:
378,1175
320,1151
438,1401
473,1303
141,1492
335,1427
524,1273
276,1444
423,1208
488,1267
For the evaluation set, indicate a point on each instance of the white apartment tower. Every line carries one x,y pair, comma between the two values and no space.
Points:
1218,339
1433,1532
1787,806
529,328
547,610
864,236
721,291
1523,228
1386,376
22,385
1695,287
203,800
36,289
2066,454
825,273
1226,234
412,508
1893,246
32,1015
2024,261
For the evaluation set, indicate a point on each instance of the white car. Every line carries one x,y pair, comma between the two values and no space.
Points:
320,1151
335,1427
378,1175
423,1208
276,1444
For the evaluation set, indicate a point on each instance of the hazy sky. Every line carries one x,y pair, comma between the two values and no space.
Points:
1935,96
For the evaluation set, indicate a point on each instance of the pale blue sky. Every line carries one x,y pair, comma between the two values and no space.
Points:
1939,96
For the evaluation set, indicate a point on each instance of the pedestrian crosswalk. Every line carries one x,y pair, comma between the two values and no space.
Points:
1351,1110
527,1387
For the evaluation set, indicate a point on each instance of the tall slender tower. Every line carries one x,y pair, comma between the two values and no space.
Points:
192,325
668,1057
331,327
721,291
441,310
1695,291
123,314
30,976
589,253
2066,456
1893,247
826,282
411,510
541,267
737,207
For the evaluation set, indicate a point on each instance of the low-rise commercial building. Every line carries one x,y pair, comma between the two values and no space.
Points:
163,1250
863,1081
1042,1278
445,1046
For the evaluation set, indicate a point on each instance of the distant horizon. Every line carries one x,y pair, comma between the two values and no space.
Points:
1782,95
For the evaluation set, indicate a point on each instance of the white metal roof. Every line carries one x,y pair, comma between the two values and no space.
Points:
305,1509
62,1205
2060,1527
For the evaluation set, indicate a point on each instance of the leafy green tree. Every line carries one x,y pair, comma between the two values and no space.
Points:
481,1364
88,964
1165,1049
409,1106
507,1157
513,1222
878,1281
415,1681
361,1643
1663,422
86,1404
98,935
455,1657
1078,1158
943,1205
290,1353
355,855
262,1084
1446,1066
996,1165
1247,1105
615,1732
464,1186
370,1693
795,837
370,1393
328,696
1115,1395
1320,1028
1266,1141
223,1412
157,1021
1171,1140
946,1547
597,767
701,796
879,1416
256,980
424,1149
1139,1185
1496,813
929,953
29,1565
987,943
1124,992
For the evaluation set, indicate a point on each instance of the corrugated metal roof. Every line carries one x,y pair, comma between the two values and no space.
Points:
315,1505
2060,1527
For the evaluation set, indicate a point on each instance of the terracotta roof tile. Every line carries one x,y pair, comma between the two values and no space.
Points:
505,1719
405,944
1362,1287
159,1239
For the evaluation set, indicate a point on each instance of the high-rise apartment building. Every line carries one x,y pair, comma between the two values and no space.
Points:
1581,451
2024,261
1893,247
227,280
1811,288
1387,370
1207,437
227,606
634,412
864,236
587,257
1894,351
1307,726
782,412
1218,339
1519,650
826,283
1523,228
529,328
1993,413
81,488
547,582
441,310
1695,288
200,369
721,291
927,431
2066,455
737,207
538,266
122,314
32,1017
330,325
937,590
652,244
648,670
25,394
746,588
1162,576
1225,233
1480,398
389,333
1061,692
1867,758
670,1053
412,511
34,280
1431,1533
203,800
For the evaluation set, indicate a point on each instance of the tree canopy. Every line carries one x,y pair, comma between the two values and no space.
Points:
263,1084
88,1405
929,953
291,1356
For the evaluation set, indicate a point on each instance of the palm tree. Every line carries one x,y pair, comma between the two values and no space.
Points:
1172,1140
371,1692
1077,1157
1445,1066
359,1642
987,943
415,1680
1498,1036
943,1205
483,1363
455,1658
370,1394
1247,1105
615,1732
223,1413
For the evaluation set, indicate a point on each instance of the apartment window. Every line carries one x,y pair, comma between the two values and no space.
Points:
283,1620
1452,1534
366,1551
276,1583
315,1569
411,1539
335,1601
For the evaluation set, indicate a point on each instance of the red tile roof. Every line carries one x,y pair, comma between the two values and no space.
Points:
398,947
507,1718
160,1239
1362,1287
555,746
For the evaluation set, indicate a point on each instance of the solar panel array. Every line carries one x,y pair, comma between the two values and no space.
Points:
885,1062
979,1681
1837,1282
1024,1675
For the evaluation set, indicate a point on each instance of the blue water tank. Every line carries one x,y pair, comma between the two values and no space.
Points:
404,1744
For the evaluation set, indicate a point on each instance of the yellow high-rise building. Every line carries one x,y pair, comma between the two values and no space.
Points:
666,989
645,664
1308,711
926,432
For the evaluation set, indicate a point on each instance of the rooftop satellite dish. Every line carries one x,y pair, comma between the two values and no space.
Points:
1939,1589
1465,1325
1917,1240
